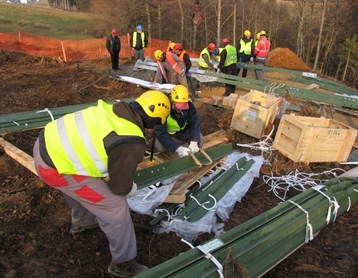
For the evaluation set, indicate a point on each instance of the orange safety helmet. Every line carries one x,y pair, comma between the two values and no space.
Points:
211,46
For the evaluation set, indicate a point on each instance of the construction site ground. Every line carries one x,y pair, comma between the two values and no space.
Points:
35,220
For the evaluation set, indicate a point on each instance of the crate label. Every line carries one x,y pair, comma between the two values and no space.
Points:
213,244
333,132
250,115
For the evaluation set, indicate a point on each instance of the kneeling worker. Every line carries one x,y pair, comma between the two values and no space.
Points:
182,124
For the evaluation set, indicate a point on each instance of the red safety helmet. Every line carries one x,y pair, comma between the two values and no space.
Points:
178,46
211,46
114,32
225,41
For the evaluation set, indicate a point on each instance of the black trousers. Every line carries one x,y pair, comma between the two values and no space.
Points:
114,60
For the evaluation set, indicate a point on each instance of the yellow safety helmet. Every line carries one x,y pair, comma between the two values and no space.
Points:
158,54
262,33
155,104
247,33
171,45
179,93
258,35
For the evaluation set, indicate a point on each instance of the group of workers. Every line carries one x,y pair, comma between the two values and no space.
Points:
91,156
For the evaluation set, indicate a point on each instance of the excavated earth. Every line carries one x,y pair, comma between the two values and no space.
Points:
35,220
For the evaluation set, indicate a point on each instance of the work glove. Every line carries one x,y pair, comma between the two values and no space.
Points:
193,146
251,59
215,67
182,151
133,191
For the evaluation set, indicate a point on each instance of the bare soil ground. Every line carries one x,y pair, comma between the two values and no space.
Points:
35,220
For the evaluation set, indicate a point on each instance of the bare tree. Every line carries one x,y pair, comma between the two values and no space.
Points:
320,35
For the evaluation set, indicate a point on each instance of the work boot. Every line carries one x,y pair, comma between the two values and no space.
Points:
126,269
78,229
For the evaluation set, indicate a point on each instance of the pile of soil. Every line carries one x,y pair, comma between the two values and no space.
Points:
286,59
35,220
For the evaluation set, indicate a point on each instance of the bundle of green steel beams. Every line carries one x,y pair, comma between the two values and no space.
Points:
262,242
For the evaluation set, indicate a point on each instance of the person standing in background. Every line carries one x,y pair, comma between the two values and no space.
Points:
245,48
227,65
261,53
139,43
113,45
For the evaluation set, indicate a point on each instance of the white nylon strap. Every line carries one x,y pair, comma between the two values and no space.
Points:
329,213
309,228
208,256
48,111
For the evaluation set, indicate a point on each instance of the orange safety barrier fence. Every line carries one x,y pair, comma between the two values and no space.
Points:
71,50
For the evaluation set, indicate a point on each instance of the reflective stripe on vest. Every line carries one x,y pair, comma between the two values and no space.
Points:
231,55
135,39
169,57
75,141
245,47
162,70
202,62
173,126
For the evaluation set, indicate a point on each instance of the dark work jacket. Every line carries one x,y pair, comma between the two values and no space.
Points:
113,44
193,125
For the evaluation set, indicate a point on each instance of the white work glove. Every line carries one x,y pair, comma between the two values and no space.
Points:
193,146
182,151
133,192
215,67
251,59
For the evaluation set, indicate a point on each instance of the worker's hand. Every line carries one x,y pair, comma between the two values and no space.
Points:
133,191
215,67
182,151
193,146
251,59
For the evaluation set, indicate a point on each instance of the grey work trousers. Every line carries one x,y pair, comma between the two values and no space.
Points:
139,54
91,200
260,74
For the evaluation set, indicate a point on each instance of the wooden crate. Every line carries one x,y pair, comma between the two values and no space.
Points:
253,112
306,139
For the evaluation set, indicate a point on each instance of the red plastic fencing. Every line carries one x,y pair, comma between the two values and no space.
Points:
71,50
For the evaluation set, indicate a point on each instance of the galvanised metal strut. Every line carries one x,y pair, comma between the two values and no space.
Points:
262,242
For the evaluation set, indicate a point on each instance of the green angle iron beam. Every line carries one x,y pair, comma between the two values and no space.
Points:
39,118
209,196
169,169
262,242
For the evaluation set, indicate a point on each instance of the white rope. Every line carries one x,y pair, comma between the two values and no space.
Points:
294,180
309,228
207,202
265,145
208,256
48,111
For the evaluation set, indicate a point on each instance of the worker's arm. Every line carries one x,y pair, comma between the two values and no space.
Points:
165,139
193,123
123,161
187,62
207,61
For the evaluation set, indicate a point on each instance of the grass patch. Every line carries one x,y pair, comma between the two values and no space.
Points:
48,22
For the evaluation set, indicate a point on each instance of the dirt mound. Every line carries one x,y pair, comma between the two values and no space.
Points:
286,59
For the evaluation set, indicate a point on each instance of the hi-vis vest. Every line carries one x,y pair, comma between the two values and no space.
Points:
173,126
231,55
135,39
202,62
181,56
75,141
245,47
172,62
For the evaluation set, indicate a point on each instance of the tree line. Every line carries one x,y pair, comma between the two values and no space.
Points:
323,33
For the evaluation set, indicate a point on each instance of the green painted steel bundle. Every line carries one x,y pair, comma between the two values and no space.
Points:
262,242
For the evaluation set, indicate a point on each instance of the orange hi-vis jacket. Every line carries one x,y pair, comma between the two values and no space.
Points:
263,47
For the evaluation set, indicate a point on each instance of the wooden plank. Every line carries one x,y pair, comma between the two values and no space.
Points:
17,154
311,87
